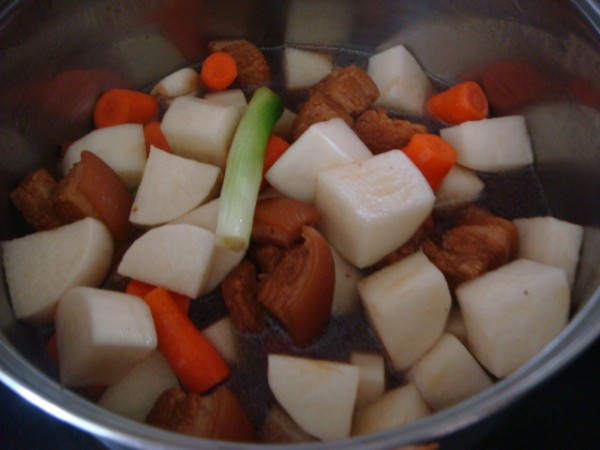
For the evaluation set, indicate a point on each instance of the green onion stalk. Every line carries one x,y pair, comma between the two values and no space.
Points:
244,170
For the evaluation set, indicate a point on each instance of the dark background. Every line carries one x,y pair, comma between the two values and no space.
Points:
563,413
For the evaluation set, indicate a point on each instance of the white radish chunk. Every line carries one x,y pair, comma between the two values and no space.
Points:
460,186
171,186
122,147
323,145
42,266
101,335
319,395
512,312
371,383
448,374
407,304
283,126
403,84
395,408
222,335
491,145
303,68
345,295
133,396
181,82
177,257
204,216
230,97
200,129
370,208
551,241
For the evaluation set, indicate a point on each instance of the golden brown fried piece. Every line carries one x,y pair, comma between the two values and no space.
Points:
381,133
215,416
318,108
253,68
239,294
351,87
34,198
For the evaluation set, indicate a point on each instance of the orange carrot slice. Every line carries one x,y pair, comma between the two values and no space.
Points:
155,137
120,106
218,71
276,146
461,103
432,155
139,288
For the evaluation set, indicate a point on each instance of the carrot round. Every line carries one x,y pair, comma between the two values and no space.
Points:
276,146
195,361
154,136
141,289
120,106
218,71
460,103
432,155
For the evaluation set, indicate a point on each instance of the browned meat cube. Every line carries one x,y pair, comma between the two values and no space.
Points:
318,108
351,87
239,294
381,133
215,416
93,189
279,428
253,68
33,197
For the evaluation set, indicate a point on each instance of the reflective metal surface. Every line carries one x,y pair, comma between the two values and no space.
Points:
57,56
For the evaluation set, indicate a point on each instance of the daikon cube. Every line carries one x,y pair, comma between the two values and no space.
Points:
513,312
101,335
460,186
403,84
122,147
345,295
200,129
371,383
550,241
491,145
448,374
407,304
323,145
370,208
230,97
303,68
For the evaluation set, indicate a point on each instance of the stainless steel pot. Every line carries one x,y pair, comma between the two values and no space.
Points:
57,56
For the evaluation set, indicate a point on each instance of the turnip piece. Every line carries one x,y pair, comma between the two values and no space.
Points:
323,145
101,335
231,97
397,407
491,145
133,396
403,84
455,325
551,241
371,383
42,266
345,295
222,335
122,147
204,216
460,186
171,186
283,127
513,312
448,374
177,257
303,68
407,304
370,208
200,129
181,82
318,394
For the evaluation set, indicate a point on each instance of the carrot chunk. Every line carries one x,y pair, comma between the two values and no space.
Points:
218,71
155,137
120,106
195,361
432,155
461,103
141,289
276,146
